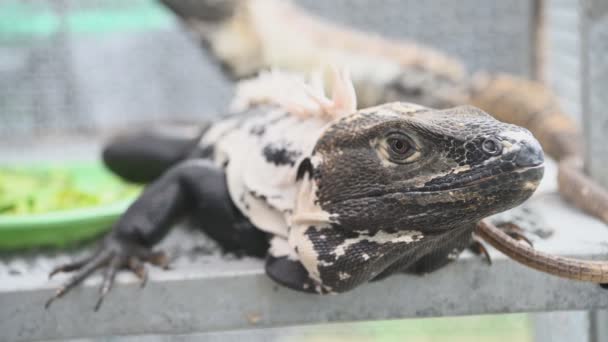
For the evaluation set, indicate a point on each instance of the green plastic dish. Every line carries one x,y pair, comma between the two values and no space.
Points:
68,226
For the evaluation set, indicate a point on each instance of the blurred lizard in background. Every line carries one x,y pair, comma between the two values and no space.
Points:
251,35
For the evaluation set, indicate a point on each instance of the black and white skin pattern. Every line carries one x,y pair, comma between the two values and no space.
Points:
332,197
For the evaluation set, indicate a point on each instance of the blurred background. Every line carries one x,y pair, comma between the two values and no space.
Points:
81,67
74,71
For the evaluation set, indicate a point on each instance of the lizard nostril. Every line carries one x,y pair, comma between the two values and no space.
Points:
529,155
491,146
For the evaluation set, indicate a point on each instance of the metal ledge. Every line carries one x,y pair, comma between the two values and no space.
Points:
208,292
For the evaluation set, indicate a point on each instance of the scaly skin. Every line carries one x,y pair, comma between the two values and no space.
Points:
259,34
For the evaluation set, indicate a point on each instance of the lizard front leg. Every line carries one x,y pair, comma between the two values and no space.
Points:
194,186
129,243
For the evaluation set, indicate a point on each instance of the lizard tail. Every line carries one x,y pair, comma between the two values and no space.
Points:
583,270
582,191
529,104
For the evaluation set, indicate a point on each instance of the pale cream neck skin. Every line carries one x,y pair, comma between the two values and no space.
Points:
299,96
285,203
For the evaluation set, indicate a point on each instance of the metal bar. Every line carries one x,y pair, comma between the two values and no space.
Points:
564,53
599,330
594,35
594,38
562,326
242,297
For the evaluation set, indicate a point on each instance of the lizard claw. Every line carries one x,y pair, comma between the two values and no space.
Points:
114,256
69,267
108,279
160,259
83,267
478,248
140,270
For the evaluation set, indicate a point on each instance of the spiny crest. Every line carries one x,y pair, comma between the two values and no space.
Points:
298,95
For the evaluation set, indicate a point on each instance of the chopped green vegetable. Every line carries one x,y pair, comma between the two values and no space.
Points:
26,191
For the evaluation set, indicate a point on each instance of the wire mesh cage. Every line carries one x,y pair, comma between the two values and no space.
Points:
73,67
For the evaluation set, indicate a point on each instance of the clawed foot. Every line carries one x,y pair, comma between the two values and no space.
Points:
113,255
511,229
515,232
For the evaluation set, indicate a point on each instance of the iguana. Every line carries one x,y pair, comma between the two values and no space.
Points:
331,196
326,193
251,35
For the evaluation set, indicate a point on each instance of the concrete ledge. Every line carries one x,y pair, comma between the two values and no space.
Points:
208,292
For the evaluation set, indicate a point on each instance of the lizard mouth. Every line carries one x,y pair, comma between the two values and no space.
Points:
526,175
531,177
524,178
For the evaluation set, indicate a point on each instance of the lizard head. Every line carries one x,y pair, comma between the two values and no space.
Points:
402,166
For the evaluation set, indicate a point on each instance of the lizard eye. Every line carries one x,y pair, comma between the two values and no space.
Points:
491,146
400,148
